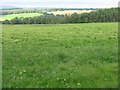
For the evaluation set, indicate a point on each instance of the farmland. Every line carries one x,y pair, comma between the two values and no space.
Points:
11,16
24,15
69,12
60,56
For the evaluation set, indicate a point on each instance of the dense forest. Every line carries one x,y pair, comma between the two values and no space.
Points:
101,15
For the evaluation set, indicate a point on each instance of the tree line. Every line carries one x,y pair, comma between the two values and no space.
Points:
18,11
37,10
101,15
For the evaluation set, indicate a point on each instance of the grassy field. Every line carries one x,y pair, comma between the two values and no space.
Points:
59,56
11,16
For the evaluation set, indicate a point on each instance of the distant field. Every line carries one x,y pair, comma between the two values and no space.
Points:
11,16
60,56
69,12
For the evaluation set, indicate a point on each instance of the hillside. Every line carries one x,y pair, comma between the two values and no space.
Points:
24,15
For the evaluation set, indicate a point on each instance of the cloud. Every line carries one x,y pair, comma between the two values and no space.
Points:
63,3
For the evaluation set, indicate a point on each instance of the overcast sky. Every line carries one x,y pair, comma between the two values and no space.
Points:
62,3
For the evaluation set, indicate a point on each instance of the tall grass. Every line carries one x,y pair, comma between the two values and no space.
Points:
60,56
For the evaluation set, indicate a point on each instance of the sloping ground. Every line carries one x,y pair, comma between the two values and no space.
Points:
11,16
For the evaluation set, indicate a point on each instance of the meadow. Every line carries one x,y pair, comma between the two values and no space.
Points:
60,56
24,15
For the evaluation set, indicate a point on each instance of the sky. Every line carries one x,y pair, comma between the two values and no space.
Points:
61,3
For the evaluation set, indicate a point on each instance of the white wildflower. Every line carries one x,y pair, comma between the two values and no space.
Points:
20,72
57,78
64,79
78,84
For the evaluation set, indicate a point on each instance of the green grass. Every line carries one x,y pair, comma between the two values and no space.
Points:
11,16
60,56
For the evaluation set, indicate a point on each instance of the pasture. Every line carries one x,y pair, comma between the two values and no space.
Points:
24,15
60,56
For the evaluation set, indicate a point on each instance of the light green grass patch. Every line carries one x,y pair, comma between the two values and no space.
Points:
11,16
